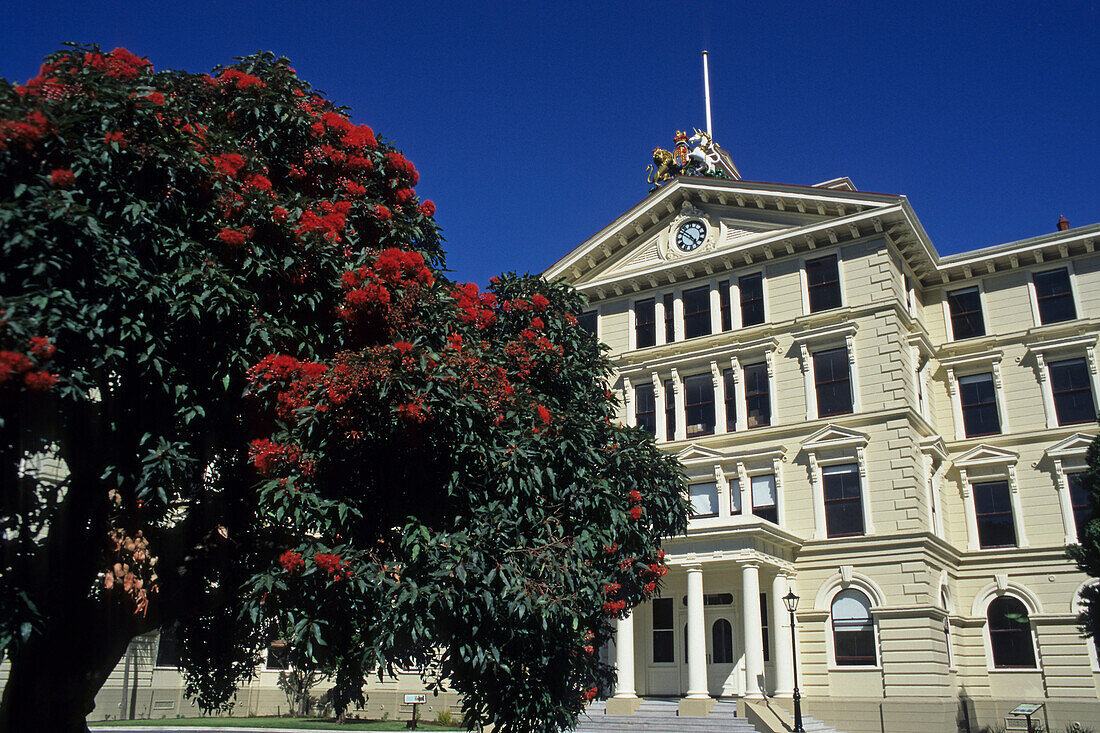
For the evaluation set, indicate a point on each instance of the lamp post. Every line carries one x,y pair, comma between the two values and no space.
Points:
791,602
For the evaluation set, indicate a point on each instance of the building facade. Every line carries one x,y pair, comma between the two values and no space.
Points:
894,435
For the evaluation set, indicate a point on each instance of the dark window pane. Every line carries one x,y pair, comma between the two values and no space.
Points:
696,312
832,382
1079,500
699,404
729,386
645,408
764,626
167,651
645,328
823,279
1069,380
1054,296
843,505
1010,633
670,411
724,304
663,650
966,313
993,508
762,493
662,613
979,405
670,317
587,321
752,299
758,404
278,656
722,642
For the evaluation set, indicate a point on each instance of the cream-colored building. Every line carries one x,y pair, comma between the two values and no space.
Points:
892,434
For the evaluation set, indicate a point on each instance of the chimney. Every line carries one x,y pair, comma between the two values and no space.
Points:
1063,223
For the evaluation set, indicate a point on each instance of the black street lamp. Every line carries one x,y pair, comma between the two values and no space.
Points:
791,602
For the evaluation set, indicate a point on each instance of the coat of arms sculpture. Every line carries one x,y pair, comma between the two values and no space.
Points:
701,160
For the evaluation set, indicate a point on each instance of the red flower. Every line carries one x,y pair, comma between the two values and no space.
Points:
279,215
635,496
332,564
540,301
427,208
404,195
115,137
242,80
403,346
382,213
235,238
229,163
259,183
360,136
636,512
155,98
41,346
12,362
359,163
291,561
544,414
537,324
62,178
355,190
39,381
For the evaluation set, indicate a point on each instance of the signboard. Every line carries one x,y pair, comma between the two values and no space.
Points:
416,699
1027,708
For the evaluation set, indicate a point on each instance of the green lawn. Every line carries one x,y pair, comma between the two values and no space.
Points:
281,723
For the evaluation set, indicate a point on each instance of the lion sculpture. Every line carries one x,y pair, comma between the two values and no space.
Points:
666,167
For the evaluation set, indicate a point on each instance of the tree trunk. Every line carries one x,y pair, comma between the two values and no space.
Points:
55,677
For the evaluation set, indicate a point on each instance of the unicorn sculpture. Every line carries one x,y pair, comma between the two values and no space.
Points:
703,156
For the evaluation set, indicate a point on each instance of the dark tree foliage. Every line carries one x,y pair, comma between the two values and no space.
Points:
1087,552
238,395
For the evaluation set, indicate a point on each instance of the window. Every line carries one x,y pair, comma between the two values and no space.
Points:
663,641
587,321
966,313
278,656
832,382
853,629
764,626
722,642
704,499
908,285
167,649
763,498
751,288
670,317
645,408
1069,381
670,411
947,629
1079,500
843,503
645,327
993,509
1010,634
724,305
735,496
696,312
699,404
823,283
1053,296
758,403
729,387
978,397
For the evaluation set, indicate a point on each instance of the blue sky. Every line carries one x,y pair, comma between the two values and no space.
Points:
532,124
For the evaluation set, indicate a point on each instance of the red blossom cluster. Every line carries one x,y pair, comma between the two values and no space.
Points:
402,167
235,238
299,379
154,97
474,307
62,178
14,364
523,353
329,220
267,456
403,196
119,64
332,564
539,301
115,137
543,413
33,128
371,290
291,561
414,411
590,694
355,137
427,208
240,79
635,501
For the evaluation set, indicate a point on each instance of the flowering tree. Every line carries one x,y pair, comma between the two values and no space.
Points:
1087,552
239,396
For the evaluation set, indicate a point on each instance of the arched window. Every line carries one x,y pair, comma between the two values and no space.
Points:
853,629
1010,634
721,636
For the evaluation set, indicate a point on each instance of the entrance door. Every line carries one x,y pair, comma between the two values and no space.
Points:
720,657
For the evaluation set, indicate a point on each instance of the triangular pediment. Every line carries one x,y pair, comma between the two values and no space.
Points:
744,223
834,436
1073,446
982,455
694,452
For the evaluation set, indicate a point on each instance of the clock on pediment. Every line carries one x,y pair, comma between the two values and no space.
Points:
691,234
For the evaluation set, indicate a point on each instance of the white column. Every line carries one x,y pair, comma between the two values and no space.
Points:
781,638
719,398
659,408
972,542
808,381
715,309
754,637
697,635
624,657
1047,392
818,498
628,403
659,318
681,405
1065,502
678,316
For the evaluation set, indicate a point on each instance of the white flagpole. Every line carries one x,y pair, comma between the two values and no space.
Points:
706,87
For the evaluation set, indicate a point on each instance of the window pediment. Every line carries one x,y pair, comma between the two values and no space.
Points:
834,436
1075,446
986,455
695,452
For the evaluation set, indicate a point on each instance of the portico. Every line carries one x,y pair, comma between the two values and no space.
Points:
719,628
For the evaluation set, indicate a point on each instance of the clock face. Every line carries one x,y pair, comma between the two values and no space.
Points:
691,235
